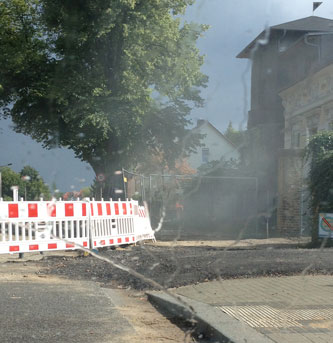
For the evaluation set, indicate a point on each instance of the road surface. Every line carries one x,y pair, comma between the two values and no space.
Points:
41,308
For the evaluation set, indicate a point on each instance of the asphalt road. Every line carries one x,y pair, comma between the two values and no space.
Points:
80,299
36,307
62,312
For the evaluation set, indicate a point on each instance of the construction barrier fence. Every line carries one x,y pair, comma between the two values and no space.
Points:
27,226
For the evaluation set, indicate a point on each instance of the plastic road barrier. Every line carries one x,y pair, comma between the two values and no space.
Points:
27,226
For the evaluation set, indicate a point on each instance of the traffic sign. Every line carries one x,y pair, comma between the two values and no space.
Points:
100,177
326,225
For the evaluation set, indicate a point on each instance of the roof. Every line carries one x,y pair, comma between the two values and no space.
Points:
217,130
308,24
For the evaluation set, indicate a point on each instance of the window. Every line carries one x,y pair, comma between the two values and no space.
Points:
295,137
205,155
296,140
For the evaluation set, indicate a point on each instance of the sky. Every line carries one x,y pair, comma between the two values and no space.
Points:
233,24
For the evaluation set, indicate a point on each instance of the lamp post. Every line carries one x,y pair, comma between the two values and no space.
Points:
6,165
25,179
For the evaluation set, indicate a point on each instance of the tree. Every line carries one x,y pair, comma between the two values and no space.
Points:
112,80
33,185
236,137
8,179
319,154
85,192
221,168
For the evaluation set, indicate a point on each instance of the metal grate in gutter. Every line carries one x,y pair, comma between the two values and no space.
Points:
264,316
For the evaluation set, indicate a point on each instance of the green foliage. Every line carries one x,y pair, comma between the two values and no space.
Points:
85,192
212,168
10,178
33,185
319,154
220,168
112,80
236,137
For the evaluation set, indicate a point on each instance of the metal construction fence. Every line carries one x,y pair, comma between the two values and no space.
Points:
200,206
27,226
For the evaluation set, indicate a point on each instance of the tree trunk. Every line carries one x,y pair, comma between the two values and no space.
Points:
109,181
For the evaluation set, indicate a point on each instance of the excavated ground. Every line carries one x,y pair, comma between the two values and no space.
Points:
184,265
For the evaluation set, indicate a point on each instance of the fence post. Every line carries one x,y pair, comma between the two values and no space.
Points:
124,183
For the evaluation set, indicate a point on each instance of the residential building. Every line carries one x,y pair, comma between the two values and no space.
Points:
308,110
282,56
215,146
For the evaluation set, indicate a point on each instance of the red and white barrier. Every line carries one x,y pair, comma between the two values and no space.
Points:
143,225
113,223
45,225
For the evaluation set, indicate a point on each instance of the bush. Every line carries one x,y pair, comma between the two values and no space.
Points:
319,154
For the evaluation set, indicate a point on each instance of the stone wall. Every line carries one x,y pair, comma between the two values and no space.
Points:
290,175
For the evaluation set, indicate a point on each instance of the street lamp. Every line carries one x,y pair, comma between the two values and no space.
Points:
6,165
25,178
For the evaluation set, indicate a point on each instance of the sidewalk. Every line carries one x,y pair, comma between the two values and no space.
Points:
293,309
239,244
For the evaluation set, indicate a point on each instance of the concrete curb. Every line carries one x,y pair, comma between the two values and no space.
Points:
210,319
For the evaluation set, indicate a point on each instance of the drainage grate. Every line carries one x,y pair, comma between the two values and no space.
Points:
263,316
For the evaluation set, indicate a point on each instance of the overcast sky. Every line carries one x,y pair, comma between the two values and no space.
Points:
234,23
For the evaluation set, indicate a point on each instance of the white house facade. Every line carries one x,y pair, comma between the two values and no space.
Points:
215,146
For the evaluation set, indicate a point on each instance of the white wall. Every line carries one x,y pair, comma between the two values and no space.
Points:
218,147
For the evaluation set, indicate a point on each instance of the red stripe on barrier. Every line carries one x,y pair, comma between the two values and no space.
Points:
70,245
111,241
51,210
69,210
108,209
32,210
124,208
116,209
133,239
14,248
94,243
103,242
84,210
99,209
127,239
85,244
92,209
13,210
52,246
33,247
119,240
131,208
